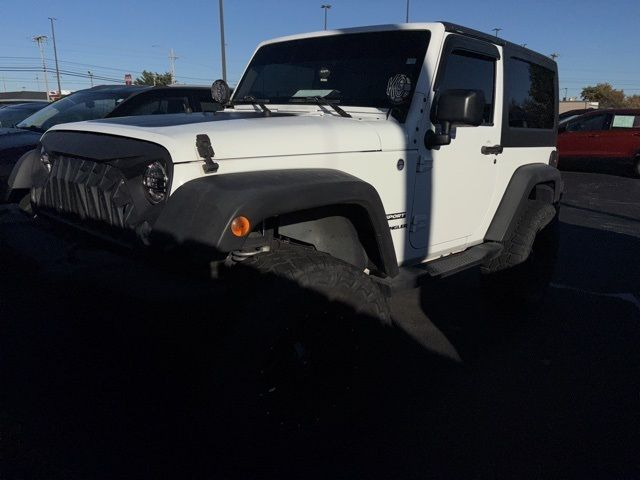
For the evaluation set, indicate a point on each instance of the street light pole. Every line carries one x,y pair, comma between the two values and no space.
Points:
90,77
224,59
407,19
40,39
55,54
325,7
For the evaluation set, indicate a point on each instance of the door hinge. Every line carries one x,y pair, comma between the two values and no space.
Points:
418,222
422,165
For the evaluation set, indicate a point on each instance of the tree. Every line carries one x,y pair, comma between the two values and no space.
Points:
153,78
632,101
605,95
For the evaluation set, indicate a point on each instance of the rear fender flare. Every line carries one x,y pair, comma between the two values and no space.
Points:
535,181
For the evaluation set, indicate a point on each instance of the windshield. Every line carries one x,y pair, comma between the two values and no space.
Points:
350,69
83,105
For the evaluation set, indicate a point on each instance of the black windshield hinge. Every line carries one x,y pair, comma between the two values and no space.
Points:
205,150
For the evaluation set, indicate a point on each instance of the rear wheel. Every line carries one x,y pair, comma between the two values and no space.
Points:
636,166
525,269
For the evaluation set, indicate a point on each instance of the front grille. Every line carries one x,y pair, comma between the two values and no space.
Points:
87,191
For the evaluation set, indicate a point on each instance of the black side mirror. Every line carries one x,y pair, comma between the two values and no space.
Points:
454,107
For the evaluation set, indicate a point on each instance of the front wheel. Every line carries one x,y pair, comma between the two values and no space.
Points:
636,166
297,342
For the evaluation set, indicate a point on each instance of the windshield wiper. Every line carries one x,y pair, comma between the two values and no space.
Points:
260,102
323,102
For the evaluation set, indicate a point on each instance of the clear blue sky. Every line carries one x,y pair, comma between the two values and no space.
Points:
598,41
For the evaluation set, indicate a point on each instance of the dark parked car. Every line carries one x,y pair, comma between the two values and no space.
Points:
13,114
97,102
599,137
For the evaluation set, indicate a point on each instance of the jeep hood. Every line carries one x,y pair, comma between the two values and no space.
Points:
249,135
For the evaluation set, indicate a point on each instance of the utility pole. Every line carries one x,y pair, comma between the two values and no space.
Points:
4,84
172,66
496,30
407,19
40,39
326,8
554,56
566,93
38,82
222,46
55,55
90,77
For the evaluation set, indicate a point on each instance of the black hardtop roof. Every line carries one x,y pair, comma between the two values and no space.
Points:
515,50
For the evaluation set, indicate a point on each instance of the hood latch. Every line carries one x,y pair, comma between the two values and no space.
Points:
205,150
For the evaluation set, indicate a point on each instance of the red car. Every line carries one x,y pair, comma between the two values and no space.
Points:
599,136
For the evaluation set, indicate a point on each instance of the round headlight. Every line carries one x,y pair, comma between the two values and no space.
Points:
44,159
155,182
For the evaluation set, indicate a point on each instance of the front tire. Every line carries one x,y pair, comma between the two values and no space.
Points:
296,345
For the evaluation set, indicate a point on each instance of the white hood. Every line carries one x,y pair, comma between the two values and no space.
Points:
250,135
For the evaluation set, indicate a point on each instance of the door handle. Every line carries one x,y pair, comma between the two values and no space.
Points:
593,135
495,150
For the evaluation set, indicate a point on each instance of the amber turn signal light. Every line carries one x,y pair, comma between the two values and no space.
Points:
240,226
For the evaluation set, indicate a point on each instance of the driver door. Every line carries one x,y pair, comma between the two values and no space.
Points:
455,183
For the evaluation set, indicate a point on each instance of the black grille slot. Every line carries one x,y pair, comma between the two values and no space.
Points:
87,191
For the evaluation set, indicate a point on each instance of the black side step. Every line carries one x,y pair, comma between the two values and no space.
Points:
413,276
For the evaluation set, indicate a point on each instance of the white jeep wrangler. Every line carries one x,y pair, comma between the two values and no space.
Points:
352,161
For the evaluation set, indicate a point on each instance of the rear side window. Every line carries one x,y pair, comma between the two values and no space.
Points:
530,95
470,71
161,106
590,123
623,121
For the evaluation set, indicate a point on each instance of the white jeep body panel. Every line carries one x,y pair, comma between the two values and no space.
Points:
440,202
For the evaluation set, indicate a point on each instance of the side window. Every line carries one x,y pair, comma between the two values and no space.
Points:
202,102
623,121
589,124
159,106
530,95
470,71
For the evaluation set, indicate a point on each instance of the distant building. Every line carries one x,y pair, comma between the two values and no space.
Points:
574,104
22,96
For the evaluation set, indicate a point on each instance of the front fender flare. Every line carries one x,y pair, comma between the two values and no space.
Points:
26,172
200,211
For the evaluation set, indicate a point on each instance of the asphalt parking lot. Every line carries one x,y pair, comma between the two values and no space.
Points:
104,368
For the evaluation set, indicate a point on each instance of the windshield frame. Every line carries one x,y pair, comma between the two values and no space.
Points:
377,102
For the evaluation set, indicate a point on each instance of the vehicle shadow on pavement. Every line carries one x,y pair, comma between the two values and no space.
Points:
555,386
112,374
